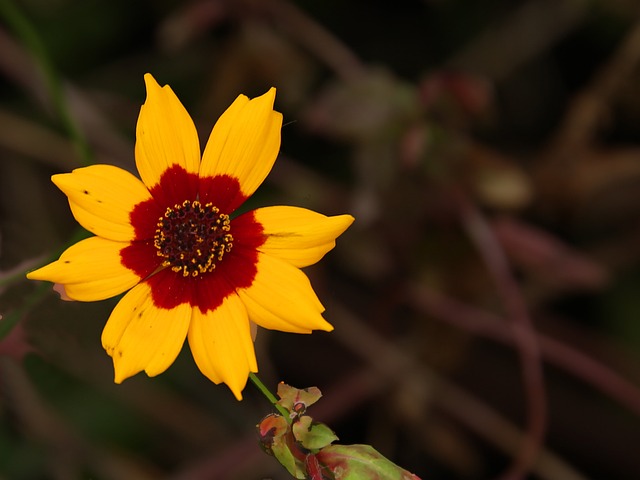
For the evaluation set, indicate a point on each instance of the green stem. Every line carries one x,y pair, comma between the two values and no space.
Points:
29,35
269,396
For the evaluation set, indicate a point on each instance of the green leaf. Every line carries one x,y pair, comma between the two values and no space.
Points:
287,460
360,462
312,435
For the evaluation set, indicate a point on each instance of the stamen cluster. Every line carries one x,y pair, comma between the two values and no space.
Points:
192,237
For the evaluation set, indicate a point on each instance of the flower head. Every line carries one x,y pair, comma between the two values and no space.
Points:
191,269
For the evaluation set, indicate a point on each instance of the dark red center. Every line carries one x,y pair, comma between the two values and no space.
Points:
191,237
155,254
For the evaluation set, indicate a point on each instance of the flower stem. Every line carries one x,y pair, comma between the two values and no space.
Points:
269,396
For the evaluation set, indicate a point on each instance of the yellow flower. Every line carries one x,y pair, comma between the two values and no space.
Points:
191,269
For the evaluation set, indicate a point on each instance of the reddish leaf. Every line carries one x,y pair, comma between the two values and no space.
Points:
275,439
360,462
297,400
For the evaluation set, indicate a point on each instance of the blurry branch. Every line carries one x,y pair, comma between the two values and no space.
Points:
534,250
527,32
485,324
523,333
66,449
188,22
231,461
109,144
397,369
316,39
31,39
7,277
36,142
590,106
10,320
559,180
196,17
16,64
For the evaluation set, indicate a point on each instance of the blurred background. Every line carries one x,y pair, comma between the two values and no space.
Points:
487,299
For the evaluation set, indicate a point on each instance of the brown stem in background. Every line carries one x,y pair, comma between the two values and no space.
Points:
526,32
488,325
523,334
590,106
316,39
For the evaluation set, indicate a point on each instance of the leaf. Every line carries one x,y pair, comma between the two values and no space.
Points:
273,431
312,435
315,471
360,462
297,400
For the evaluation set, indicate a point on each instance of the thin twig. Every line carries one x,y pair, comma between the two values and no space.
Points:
590,106
317,39
523,333
489,325
524,33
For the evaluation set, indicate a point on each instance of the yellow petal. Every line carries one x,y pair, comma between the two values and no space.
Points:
165,135
244,142
220,341
90,270
299,236
101,198
140,336
281,298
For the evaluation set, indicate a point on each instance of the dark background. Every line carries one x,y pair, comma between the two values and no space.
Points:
487,299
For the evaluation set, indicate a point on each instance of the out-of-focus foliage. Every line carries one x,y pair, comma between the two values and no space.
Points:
487,299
